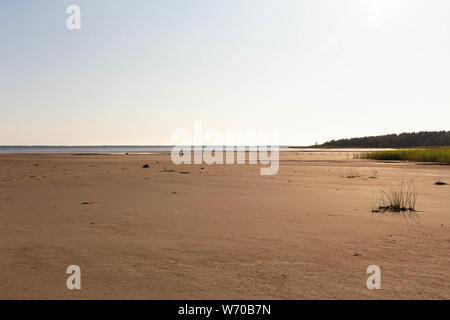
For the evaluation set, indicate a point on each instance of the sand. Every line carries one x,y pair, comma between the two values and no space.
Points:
222,232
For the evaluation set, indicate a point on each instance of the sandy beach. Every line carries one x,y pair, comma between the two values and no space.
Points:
218,232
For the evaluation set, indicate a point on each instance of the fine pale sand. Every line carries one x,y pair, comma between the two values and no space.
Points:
221,232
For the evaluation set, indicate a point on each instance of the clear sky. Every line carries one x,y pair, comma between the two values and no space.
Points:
139,69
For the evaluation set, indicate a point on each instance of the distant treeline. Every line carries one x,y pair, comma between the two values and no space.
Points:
403,140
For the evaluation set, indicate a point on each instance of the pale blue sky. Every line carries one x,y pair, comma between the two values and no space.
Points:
139,69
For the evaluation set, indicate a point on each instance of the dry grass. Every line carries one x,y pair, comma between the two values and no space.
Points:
373,174
350,173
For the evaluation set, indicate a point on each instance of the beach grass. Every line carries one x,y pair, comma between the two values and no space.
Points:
350,173
441,155
398,200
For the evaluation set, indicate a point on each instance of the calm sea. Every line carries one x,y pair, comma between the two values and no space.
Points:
142,149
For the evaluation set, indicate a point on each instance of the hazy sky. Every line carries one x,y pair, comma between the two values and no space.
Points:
139,69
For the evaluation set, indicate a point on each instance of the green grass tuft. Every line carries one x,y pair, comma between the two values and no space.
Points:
400,200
